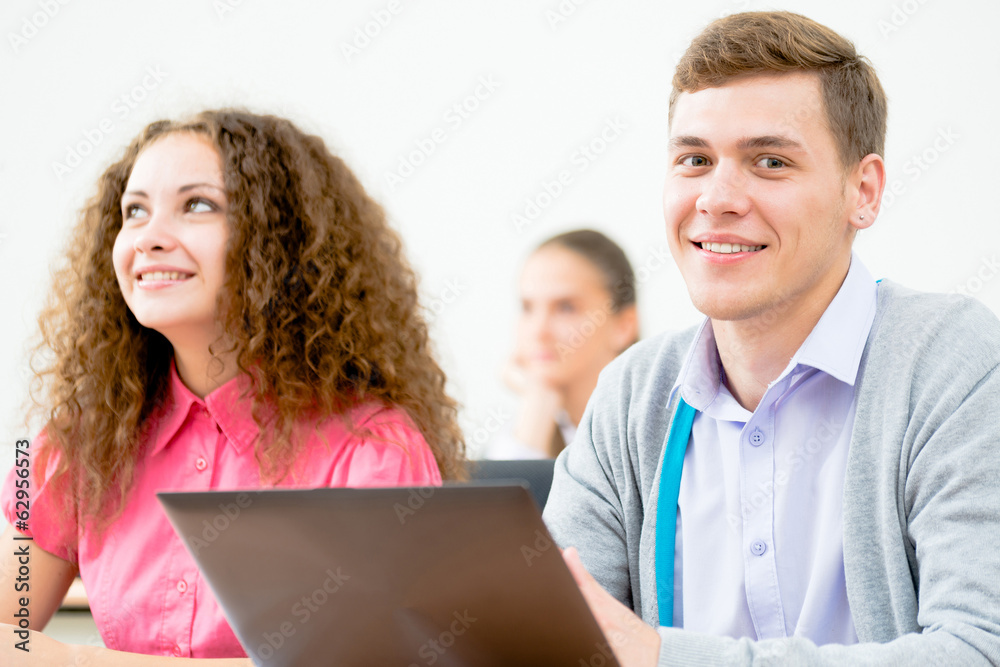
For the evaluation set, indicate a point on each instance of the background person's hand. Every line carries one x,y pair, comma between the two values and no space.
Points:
633,642
535,424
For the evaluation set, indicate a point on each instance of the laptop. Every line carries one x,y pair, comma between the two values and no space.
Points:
420,576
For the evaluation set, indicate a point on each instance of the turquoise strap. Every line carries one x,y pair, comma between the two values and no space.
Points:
666,509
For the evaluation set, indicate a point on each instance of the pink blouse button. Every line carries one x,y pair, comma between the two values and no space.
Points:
182,586
177,650
201,464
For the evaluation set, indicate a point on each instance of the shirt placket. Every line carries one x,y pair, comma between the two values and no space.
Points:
757,502
182,574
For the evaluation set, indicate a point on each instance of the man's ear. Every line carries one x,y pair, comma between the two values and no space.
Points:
867,183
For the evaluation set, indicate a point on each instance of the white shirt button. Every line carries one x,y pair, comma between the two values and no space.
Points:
757,547
757,437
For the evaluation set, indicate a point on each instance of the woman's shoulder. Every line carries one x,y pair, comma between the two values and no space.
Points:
364,420
373,444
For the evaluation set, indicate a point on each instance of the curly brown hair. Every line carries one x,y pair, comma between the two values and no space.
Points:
319,303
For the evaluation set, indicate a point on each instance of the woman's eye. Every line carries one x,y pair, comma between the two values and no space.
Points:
770,163
200,206
134,211
695,161
565,307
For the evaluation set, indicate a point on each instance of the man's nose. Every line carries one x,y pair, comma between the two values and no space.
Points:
725,192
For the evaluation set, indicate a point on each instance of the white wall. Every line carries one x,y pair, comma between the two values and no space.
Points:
558,83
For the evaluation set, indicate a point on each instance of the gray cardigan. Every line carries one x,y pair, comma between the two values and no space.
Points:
921,495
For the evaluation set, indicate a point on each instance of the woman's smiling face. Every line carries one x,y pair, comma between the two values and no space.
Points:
169,255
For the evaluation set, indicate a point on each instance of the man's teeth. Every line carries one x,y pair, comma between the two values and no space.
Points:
728,248
163,275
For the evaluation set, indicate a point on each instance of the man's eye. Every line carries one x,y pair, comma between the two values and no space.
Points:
200,206
770,163
695,161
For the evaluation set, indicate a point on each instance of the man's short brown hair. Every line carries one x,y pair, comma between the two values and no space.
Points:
772,42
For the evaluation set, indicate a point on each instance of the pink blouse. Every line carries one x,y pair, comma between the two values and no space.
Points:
145,591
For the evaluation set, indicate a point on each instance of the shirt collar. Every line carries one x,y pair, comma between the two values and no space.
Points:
837,341
226,405
699,379
834,346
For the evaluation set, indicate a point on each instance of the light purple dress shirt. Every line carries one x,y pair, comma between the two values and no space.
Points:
759,549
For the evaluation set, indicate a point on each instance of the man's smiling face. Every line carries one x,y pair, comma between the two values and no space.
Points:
755,198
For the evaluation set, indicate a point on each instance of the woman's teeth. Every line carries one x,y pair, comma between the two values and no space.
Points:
728,248
163,275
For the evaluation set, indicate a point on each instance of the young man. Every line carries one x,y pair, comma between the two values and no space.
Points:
811,476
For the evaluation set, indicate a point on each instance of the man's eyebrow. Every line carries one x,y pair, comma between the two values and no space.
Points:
688,141
768,141
746,143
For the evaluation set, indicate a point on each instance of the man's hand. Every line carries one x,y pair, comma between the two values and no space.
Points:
634,643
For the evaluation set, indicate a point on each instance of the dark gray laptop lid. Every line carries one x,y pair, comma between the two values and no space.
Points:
454,575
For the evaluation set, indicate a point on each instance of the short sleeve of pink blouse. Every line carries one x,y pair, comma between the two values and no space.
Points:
384,456
145,591
51,516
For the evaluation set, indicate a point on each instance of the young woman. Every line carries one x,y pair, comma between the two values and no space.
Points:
235,313
578,312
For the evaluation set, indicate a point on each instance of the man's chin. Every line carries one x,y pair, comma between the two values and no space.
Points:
727,308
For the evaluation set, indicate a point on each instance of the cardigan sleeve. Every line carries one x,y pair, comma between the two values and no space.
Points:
585,507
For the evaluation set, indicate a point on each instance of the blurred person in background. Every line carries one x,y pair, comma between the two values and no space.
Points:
578,312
